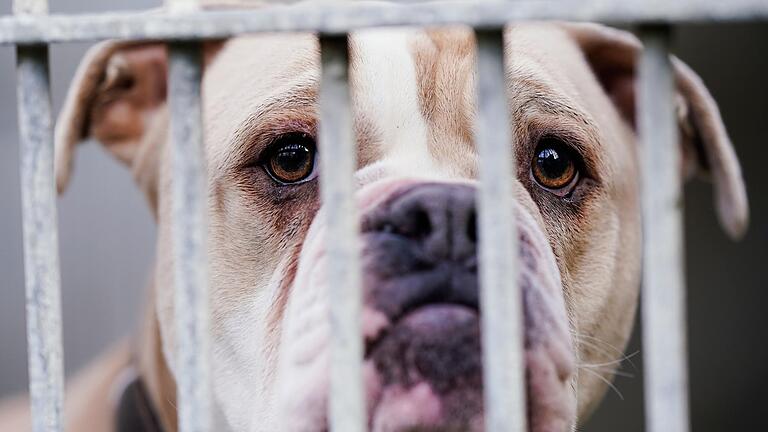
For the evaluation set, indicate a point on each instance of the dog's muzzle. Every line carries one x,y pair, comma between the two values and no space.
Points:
421,280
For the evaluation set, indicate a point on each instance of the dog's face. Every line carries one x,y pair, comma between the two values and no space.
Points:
576,212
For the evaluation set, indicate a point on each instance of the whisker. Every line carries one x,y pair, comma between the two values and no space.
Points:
585,339
591,345
580,336
606,381
608,371
613,362
623,374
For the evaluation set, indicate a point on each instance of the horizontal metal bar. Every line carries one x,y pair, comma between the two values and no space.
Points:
343,17
500,296
663,296
33,7
41,245
346,411
189,212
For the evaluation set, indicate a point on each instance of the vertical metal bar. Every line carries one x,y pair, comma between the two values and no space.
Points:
338,163
500,297
41,244
190,232
663,297
189,212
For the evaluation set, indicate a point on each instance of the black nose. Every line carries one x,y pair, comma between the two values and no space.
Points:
421,248
440,218
420,272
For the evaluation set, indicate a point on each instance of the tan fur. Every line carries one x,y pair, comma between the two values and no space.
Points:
445,61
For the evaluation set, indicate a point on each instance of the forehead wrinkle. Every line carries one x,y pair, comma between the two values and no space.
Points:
532,81
294,111
246,73
538,83
279,113
537,99
532,96
545,101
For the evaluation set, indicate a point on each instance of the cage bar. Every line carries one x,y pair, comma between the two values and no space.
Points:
343,17
41,245
40,224
663,295
338,164
189,212
500,297
30,7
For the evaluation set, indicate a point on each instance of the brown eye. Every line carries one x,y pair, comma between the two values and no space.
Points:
554,166
291,159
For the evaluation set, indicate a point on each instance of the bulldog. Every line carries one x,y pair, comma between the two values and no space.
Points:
571,91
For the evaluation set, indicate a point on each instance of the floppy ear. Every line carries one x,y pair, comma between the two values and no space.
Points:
117,97
707,151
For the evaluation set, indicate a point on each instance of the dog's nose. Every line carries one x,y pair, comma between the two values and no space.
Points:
421,248
440,218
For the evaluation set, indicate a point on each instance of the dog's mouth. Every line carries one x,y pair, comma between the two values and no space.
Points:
425,370
423,357
424,373
424,307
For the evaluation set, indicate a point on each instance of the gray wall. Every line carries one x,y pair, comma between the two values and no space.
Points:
107,243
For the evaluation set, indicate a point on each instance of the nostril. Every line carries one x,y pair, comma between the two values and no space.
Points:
472,226
422,225
416,225
388,228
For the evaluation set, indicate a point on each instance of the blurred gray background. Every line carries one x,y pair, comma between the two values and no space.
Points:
107,243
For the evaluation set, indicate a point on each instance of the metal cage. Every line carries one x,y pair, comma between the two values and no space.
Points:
184,24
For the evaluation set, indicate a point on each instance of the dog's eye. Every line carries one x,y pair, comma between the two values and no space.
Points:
554,166
291,159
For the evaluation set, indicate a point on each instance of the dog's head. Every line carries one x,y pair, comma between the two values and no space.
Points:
571,92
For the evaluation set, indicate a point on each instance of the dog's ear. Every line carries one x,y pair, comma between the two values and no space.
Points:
116,97
707,151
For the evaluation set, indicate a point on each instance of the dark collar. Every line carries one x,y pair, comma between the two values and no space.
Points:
135,412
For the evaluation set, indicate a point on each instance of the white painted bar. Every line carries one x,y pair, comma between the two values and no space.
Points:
189,212
342,17
177,6
40,224
663,296
500,296
41,245
30,7
338,163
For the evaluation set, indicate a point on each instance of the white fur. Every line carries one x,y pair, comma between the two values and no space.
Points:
389,95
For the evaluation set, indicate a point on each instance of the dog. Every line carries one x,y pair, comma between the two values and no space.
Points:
577,213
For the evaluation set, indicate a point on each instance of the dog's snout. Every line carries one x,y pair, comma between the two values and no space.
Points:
440,218
421,292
